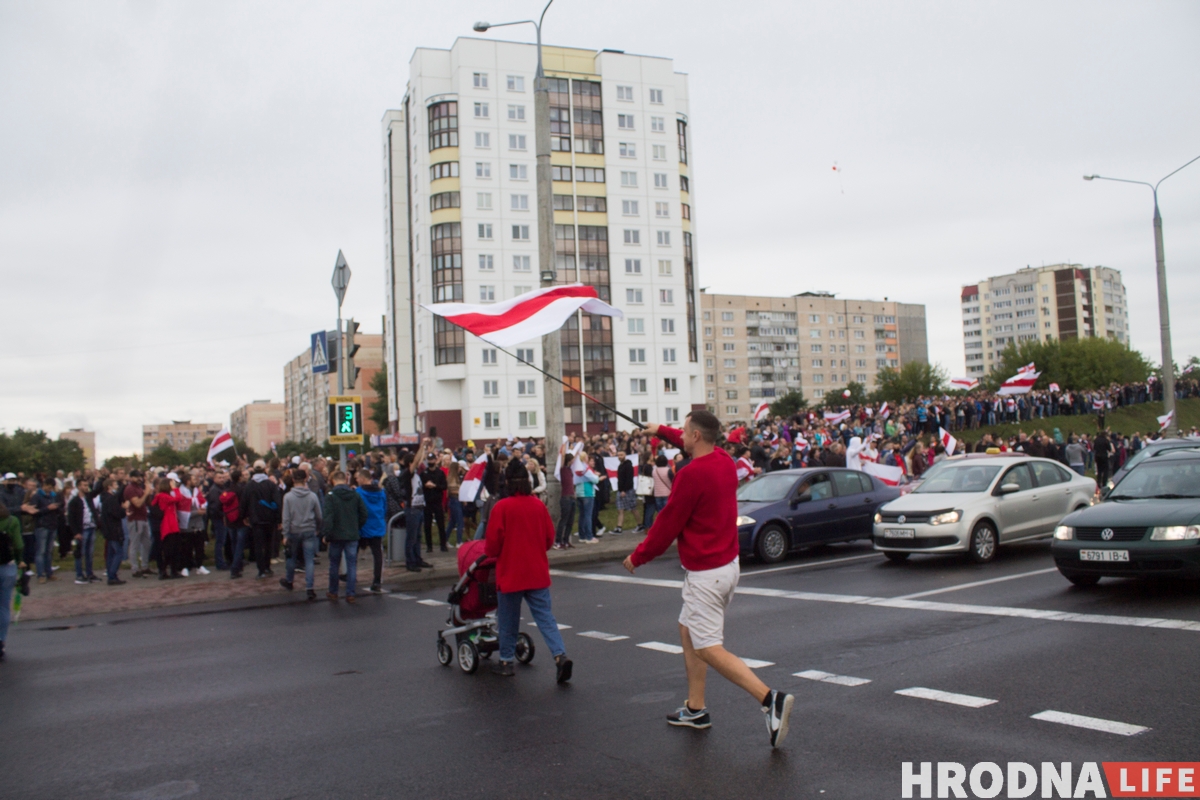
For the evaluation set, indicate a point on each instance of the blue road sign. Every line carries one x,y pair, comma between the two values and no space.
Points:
320,353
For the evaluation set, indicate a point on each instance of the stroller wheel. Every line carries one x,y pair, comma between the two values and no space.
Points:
468,656
524,648
445,653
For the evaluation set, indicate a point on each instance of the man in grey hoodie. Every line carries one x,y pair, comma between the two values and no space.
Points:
301,522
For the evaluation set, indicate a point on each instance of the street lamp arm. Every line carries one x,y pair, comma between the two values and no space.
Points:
1193,161
1118,180
483,26
547,8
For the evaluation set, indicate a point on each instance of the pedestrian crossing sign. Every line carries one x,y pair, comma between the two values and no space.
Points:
320,353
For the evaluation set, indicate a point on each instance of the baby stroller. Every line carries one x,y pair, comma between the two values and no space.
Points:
473,614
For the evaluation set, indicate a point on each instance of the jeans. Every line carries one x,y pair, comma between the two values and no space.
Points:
138,537
566,518
308,545
508,614
584,505
8,581
649,511
1078,468
336,550
124,543
456,518
412,535
239,549
86,548
375,543
43,551
220,535
112,558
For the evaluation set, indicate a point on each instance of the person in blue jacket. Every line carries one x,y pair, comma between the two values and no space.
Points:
371,533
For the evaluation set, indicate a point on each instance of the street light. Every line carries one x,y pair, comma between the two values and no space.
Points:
1164,315
552,406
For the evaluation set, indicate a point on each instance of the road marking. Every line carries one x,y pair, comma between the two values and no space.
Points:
561,627
829,677
1091,723
914,605
811,564
754,663
402,596
946,697
432,603
606,637
662,647
973,584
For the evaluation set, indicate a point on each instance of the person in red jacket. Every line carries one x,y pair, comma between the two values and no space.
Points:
170,558
519,532
701,514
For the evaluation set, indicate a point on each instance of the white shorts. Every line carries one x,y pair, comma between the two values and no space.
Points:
706,595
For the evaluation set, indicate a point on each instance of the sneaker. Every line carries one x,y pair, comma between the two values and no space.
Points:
504,669
311,595
603,530
116,582
184,572
202,570
285,583
562,668
82,581
93,579
376,589
617,530
684,717
777,708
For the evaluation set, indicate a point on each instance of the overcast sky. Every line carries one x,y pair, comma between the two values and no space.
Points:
177,177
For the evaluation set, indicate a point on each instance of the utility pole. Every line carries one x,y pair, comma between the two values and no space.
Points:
340,280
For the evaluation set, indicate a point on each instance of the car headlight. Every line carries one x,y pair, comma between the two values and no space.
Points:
878,518
1064,532
945,518
745,521
1175,533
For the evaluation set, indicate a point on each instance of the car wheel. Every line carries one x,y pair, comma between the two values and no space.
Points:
1081,579
897,558
983,543
772,544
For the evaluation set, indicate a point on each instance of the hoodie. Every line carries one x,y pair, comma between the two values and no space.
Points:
343,515
854,453
376,502
301,513
261,501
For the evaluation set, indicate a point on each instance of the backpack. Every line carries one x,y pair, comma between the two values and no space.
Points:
231,507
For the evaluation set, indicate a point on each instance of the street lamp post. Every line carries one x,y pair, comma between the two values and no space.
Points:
1164,314
552,406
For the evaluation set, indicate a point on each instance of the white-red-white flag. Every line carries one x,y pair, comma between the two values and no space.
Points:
1165,420
965,384
835,417
222,441
948,441
1030,367
612,463
1053,387
884,411
889,475
763,408
1020,383
1099,404
471,482
526,316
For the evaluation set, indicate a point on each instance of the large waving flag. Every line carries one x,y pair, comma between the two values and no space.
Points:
966,384
471,482
763,409
222,441
889,475
948,441
526,316
835,417
1022,382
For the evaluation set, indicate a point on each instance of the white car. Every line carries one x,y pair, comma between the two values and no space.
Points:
975,505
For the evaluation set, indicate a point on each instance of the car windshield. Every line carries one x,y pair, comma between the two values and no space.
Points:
1158,478
769,488
958,478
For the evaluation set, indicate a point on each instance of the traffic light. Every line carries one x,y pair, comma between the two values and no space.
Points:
333,350
351,348
345,419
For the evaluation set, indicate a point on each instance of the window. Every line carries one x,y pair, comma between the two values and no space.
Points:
520,290
637,355
589,174
656,96
516,113
641,414
661,209
526,388
731,378
519,172
624,92
483,201
485,262
633,236
818,362
480,80
664,266
483,139
666,296
443,125
660,180
521,264
559,173
629,208
587,203
527,419
664,238
681,131
516,83
525,354
487,293
816,348
636,325
659,152
633,296
860,348
668,355
726,316
519,202
668,325
489,355
685,211
483,169
670,385
564,202
731,394
628,149
859,334
657,125
446,169
491,419
629,179
633,266
516,141
481,110
637,385
727,331
729,347
625,122
729,363
485,231
520,233
444,200
491,388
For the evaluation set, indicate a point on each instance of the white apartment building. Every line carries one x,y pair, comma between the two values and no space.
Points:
1063,301
461,222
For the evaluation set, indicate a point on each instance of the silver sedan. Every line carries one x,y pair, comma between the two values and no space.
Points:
972,505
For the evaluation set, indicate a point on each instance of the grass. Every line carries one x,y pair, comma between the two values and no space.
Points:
1128,420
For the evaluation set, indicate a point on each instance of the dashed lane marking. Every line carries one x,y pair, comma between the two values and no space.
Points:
663,647
946,697
604,637
973,584
561,627
432,603
1091,723
829,677
754,663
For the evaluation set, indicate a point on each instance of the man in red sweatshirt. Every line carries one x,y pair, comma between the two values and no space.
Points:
702,514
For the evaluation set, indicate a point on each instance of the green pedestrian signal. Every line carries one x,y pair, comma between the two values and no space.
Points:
345,419
347,425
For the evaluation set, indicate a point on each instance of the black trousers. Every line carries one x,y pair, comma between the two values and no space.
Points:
169,554
432,512
261,534
193,548
376,545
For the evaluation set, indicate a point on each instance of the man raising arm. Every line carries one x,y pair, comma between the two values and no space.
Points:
701,513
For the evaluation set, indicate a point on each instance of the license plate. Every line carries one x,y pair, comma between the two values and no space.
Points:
899,533
1103,555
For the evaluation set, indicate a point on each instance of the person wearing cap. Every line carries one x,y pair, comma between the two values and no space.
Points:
12,494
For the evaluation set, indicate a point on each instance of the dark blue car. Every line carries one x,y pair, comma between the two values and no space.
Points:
780,512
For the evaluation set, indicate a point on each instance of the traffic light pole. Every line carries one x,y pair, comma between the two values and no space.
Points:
341,381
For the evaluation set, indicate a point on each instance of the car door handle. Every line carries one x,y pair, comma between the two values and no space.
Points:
832,505
869,500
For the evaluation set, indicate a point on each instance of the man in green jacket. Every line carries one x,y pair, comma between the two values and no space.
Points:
344,514
11,550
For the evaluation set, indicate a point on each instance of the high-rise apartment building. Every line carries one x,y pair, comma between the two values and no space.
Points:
87,443
1062,301
259,424
306,396
461,214
761,348
180,434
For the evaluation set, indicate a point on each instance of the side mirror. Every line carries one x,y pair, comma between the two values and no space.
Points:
803,497
1009,488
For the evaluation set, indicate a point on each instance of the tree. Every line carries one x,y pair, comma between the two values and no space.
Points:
164,456
32,452
914,379
379,406
308,448
789,404
1075,364
126,463
857,397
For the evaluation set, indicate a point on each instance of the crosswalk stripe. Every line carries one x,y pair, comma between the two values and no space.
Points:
829,677
561,627
1091,723
402,596
432,603
663,647
754,663
946,697
606,637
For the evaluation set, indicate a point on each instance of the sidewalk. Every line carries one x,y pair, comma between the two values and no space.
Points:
63,598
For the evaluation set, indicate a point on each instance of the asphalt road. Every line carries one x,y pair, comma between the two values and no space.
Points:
330,701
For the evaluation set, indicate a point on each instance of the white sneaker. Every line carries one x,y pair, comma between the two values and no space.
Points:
202,570
184,572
